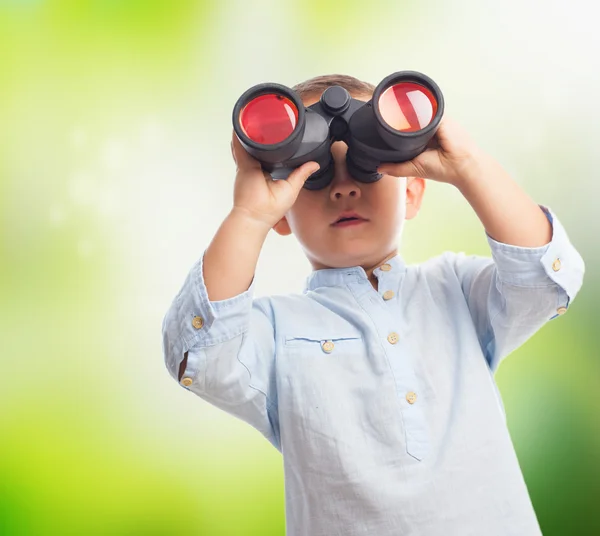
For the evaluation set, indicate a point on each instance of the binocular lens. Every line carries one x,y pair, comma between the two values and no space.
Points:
407,106
269,118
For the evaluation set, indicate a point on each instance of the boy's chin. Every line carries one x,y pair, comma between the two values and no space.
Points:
341,259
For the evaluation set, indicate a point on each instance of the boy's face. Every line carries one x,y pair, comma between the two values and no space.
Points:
384,204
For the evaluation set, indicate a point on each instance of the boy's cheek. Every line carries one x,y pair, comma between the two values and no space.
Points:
304,209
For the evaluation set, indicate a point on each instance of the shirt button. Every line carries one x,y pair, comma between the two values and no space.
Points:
386,267
393,337
388,294
327,347
411,397
561,310
556,265
198,322
187,381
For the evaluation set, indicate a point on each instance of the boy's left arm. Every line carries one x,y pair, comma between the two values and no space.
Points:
535,272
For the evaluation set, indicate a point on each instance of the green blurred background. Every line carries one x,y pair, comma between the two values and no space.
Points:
115,172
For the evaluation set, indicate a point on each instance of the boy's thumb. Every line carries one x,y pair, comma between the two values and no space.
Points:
299,176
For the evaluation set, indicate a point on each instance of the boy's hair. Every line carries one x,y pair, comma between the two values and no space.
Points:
316,85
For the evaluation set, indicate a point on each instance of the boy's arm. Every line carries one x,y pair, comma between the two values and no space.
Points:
513,294
230,260
217,341
536,271
507,212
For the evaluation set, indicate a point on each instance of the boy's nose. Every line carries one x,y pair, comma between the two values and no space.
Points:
342,184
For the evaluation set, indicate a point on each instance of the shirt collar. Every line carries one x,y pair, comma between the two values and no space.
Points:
332,277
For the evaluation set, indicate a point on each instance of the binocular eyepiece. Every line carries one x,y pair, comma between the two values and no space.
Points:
275,127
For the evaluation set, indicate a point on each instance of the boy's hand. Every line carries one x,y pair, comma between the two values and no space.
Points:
257,195
450,157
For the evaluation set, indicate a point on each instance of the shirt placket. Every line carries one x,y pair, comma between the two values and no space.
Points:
386,313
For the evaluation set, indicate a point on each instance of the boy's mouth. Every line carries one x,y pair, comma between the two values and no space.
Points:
348,218
348,222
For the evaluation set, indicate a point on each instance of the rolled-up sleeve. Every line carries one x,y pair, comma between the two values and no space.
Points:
230,349
515,292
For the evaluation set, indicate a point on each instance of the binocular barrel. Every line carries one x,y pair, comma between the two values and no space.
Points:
395,125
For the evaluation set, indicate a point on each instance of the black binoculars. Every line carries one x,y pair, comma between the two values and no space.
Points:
275,127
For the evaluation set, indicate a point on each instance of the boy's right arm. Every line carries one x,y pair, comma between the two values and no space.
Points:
217,341
230,260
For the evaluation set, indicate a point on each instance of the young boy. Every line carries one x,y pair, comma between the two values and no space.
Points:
376,384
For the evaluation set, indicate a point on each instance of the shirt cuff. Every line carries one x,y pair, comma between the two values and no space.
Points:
203,322
555,262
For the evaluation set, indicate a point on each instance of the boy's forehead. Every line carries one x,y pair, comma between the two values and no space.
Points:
309,100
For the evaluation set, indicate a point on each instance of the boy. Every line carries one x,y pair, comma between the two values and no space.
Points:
376,384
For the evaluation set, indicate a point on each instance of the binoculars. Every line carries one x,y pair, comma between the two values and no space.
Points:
395,125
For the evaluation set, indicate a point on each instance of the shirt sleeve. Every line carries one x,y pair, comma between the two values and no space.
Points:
231,351
515,292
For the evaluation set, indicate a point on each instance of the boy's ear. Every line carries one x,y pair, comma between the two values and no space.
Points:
415,188
282,227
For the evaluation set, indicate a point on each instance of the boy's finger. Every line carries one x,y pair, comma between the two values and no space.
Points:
298,177
241,157
404,169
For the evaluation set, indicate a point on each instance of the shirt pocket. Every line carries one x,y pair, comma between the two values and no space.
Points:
322,367
316,353
311,340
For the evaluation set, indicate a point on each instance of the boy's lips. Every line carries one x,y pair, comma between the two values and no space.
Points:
348,217
349,223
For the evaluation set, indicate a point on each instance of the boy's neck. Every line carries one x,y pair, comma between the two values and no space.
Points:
374,281
368,270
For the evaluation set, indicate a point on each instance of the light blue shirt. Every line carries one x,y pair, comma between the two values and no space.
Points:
382,402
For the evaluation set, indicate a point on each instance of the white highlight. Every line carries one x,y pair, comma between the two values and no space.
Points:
422,106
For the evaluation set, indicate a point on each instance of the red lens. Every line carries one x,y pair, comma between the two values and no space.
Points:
269,119
407,107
